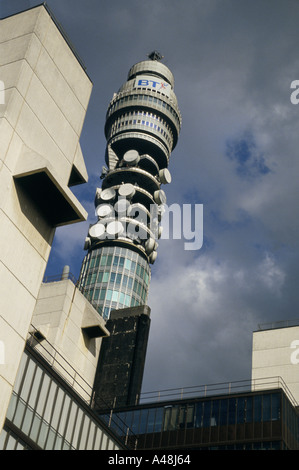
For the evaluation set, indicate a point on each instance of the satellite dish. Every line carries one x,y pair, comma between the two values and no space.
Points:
115,228
103,210
160,197
108,194
131,157
160,230
153,257
126,190
121,206
87,243
97,231
149,245
165,176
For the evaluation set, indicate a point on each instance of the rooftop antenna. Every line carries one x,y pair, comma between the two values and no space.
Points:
155,55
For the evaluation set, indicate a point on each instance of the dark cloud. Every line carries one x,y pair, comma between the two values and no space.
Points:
233,63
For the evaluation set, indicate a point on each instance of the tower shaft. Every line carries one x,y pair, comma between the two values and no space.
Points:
142,127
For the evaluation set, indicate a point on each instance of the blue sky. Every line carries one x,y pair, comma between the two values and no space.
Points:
233,63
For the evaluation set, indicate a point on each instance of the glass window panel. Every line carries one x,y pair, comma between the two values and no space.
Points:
71,422
11,443
110,445
112,277
109,260
57,408
115,296
64,415
118,278
35,428
43,394
257,408
127,264
104,442
198,414
151,420
77,428
105,277
102,294
92,431
58,442
109,294
159,419
3,435
121,261
232,410
241,406
267,407
98,439
103,260
127,300
141,429
84,433
18,418
50,440
28,380
275,406
100,276
27,421
207,413
133,266
35,388
249,410
223,412
130,282
215,412
43,432
125,280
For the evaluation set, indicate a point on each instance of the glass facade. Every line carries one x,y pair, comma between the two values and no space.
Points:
114,277
264,420
44,414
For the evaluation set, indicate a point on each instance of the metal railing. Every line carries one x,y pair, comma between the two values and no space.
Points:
209,390
278,324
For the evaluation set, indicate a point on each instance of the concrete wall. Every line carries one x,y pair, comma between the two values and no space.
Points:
275,353
42,109
73,332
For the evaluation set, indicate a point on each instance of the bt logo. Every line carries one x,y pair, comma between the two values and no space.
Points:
152,83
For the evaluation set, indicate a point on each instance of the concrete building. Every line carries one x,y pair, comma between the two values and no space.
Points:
275,352
45,97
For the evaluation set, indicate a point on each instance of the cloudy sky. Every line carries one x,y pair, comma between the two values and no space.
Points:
238,155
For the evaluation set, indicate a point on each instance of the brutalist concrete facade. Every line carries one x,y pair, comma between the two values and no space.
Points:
45,98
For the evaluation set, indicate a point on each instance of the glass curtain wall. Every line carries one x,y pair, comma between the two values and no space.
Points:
114,277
